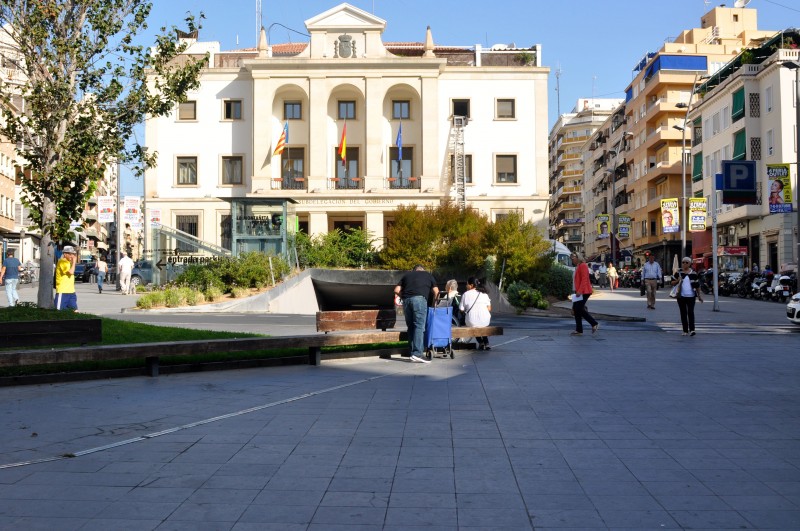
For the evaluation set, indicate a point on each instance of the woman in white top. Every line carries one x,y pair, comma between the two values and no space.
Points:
689,283
477,306
101,269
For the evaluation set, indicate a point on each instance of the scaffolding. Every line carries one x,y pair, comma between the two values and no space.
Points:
459,160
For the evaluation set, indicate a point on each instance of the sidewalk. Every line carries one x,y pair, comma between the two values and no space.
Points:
631,428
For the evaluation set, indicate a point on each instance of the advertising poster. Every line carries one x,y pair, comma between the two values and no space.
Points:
698,212
623,226
130,210
603,226
155,217
670,215
106,209
780,188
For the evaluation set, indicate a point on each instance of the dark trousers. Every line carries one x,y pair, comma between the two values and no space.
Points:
686,307
579,308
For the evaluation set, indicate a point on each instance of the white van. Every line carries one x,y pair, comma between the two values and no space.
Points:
562,254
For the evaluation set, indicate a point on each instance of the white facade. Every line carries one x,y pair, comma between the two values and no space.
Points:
306,85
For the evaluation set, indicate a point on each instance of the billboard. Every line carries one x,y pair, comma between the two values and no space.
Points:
670,215
780,188
698,213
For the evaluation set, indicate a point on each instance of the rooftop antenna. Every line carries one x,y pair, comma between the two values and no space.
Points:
258,21
558,87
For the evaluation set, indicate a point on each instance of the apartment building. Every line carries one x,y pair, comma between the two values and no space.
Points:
566,149
747,111
365,125
656,109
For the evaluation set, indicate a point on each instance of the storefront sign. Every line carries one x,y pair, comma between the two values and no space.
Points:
733,250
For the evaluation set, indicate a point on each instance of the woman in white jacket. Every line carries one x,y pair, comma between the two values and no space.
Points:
477,307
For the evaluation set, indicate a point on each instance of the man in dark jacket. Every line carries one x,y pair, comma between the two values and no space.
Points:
414,288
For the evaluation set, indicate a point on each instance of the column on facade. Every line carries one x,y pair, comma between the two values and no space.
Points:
429,140
320,146
376,147
264,131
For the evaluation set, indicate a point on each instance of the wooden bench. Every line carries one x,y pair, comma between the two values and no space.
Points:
151,352
333,321
43,333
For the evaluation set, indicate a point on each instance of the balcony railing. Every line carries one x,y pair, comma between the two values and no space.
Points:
403,183
347,183
290,183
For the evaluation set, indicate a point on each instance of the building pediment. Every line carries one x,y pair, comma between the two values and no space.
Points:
345,18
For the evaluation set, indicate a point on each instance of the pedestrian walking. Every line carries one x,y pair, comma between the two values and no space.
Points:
101,269
125,267
688,283
66,299
603,272
477,307
612,276
651,276
583,289
413,289
9,273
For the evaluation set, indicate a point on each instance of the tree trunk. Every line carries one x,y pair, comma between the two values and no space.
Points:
47,257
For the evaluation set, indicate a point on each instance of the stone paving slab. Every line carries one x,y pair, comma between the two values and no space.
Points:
633,428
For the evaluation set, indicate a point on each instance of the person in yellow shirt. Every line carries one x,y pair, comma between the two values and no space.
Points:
65,280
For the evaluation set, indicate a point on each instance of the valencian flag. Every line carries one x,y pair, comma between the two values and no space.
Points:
343,144
283,140
399,142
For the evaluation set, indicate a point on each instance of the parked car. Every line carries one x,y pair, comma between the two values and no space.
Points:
793,309
142,273
83,271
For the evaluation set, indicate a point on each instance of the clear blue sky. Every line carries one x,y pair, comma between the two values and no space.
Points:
595,44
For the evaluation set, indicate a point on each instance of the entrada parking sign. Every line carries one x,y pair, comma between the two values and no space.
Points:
739,184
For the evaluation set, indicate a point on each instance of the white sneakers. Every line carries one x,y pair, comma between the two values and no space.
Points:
417,359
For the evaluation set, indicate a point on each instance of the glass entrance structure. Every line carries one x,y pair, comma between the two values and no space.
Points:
263,225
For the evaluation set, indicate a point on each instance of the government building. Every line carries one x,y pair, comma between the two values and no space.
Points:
338,132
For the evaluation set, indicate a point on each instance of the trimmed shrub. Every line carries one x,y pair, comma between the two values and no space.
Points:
213,293
239,293
557,283
522,296
173,298
150,300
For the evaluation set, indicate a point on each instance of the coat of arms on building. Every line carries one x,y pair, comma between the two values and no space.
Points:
344,47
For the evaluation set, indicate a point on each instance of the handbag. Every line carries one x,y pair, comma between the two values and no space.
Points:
674,291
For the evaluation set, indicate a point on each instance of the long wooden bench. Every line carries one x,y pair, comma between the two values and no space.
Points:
334,321
151,352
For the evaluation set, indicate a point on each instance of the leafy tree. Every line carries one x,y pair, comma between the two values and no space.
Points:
520,246
354,248
85,87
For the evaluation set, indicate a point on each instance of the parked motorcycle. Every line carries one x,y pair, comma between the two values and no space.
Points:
25,276
784,288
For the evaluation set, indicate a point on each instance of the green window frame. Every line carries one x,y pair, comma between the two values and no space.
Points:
739,145
697,167
737,110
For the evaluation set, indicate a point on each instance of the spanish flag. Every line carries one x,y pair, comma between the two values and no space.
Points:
343,144
283,140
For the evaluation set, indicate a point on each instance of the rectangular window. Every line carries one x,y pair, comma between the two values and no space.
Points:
770,142
467,168
506,168
292,110
349,179
739,145
187,110
715,123
187,224
403,170
225,231
293,173
232,170
347,110
726,117
697,167
187,170
737,112
400,110
768,99
233,109
506,109
461,108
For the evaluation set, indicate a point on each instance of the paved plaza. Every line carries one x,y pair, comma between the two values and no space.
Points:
635,427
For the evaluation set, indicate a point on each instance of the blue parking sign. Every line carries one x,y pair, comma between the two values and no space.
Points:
739,183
